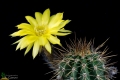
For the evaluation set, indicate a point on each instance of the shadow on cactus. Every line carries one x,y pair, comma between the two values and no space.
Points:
81,61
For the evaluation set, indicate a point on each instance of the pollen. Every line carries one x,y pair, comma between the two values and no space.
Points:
40,30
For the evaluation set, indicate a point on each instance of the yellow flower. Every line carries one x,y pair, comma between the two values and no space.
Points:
41,31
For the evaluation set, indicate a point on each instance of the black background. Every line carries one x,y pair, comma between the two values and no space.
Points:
90,19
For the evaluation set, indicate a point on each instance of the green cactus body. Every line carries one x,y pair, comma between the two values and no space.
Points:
89,67
82,62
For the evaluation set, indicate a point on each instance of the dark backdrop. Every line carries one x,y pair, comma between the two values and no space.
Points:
90,19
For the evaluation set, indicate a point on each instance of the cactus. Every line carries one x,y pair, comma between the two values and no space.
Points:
82,62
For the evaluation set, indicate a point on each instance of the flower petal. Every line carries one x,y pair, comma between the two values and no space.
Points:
28,48
56,24
63,24
25,41
56,18
35,49
19,44
31,20
38,17
63,30
54,40
48,47
62,34
40,49
45,17
25,26
57,29
22,33
16,42
42,40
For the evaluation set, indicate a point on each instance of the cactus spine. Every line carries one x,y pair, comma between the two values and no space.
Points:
81,62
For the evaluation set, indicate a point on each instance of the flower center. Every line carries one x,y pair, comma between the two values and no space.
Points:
40,30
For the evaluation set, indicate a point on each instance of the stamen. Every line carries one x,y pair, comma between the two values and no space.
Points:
39,31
